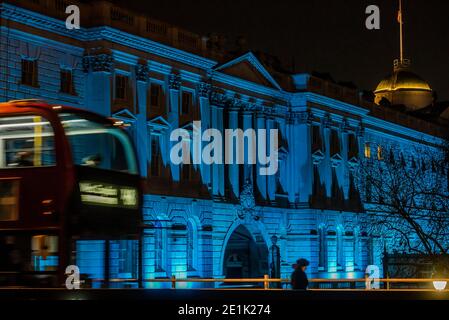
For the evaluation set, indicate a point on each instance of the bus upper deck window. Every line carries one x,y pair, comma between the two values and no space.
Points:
98,145
26,141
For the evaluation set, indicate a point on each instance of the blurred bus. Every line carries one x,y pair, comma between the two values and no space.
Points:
70,194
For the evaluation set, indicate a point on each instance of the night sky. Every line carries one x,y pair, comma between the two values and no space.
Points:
324,35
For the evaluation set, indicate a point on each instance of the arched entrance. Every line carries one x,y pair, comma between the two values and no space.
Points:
245,256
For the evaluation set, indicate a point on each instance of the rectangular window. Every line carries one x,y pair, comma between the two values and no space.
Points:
66,78
124,257
155,95
29,72
367,150
335,142
96,144
9,199
322,261
316,139
26,141
44,253
353,146
121,87
187,101
159,247
278,184
380,153
155,154
186,172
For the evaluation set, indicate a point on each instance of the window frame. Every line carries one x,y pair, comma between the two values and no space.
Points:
29,77
67,88
190,105
161,94
125,87
155,140
55,152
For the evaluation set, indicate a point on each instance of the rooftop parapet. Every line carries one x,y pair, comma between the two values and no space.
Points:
104,13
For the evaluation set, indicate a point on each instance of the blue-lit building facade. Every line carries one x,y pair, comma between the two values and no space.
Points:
210,220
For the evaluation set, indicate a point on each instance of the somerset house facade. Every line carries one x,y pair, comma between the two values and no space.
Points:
216,220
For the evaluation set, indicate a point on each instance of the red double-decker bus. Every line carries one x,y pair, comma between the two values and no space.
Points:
70,194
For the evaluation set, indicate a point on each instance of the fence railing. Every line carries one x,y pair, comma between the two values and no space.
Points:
389,284
359,283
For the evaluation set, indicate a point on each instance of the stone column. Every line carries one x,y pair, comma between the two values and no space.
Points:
215,172
248,125
271,179
99,69
344,154
174,83
205,114
142,133
261,180
220,124
326,165
303,134
233,168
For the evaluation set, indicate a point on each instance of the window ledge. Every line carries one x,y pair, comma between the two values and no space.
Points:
30,86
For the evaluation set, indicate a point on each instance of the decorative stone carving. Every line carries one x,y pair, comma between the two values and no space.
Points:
304,117
86,63
317,157
204,89
353,163
336,160
98,63
345,126
218,98
142,72
235,103
326,121
174,81
247,202
250,107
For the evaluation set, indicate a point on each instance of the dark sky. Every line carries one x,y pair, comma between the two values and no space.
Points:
325,35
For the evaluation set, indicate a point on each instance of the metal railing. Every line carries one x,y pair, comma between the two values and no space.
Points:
389,284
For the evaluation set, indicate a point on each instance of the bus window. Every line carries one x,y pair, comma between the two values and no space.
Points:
9,199
44,253
26,141
98,145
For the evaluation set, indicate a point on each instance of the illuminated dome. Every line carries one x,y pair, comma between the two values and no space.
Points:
404,87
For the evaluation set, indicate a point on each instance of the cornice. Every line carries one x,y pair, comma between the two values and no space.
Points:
42,22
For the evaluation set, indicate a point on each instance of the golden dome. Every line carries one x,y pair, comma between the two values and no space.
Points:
402,79
404,87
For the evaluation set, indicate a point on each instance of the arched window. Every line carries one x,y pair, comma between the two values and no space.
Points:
159,248
322,246
191,246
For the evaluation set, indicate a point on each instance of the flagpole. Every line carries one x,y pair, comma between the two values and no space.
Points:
401,35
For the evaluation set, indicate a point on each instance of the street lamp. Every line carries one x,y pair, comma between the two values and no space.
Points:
439,285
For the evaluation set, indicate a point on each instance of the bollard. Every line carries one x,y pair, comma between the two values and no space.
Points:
388,281
266,284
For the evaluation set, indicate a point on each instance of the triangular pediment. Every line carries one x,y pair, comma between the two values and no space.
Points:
249,68
187,126
125,115
159,122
